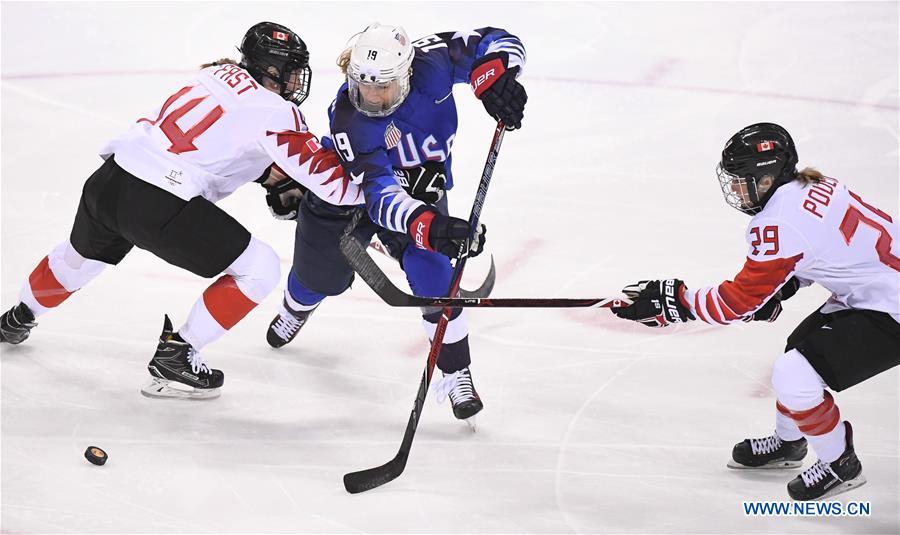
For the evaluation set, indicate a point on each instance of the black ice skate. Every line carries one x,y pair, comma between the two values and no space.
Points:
178,371
465,400
286,325
767,453
823,480
16,324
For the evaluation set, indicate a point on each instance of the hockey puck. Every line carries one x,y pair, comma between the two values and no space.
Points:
95,455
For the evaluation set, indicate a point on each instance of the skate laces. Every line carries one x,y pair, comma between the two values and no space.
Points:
816,473
287,324
458,385
761,446
197,363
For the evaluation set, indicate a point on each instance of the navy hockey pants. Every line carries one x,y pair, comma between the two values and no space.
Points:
320,268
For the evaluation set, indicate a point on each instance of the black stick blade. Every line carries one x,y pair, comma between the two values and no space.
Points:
486,287
356,482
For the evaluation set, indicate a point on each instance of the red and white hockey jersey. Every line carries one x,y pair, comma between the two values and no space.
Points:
821,233
221,131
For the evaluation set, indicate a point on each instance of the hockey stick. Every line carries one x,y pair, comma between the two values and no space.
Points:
487,286
369,271
368,479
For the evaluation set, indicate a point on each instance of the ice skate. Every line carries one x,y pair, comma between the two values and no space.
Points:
178,371
286,325
768,453
16,324
823,480
458,386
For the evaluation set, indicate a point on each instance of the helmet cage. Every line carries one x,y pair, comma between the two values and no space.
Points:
379,69
757,151
293,77
398,86
740,192
284,62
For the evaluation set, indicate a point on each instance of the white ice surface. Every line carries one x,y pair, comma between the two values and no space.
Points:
590,425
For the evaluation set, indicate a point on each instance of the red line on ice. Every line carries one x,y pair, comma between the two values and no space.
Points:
650,82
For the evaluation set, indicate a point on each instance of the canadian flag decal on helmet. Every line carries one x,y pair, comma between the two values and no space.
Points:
764,146
281,36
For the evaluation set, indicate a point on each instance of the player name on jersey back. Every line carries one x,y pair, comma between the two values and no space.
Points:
219,132
819,232
849,246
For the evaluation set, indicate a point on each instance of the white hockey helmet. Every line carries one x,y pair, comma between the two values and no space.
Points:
379,69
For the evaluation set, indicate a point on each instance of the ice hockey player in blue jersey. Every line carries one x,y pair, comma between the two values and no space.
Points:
392,124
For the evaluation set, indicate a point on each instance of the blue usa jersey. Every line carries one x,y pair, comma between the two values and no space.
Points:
420,129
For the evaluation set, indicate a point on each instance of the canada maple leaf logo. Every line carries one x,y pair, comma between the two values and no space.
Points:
307,149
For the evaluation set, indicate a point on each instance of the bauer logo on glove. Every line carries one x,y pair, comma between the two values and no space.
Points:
656,303
495,84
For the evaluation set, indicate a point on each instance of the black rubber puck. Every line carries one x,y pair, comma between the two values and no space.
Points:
95,455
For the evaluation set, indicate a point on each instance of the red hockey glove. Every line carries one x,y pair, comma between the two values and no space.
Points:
433,231
496,86
655,303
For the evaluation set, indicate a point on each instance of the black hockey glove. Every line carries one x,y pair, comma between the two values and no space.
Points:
768,312
772,309
496,86
789,289
283,199
433,231
655,303
426,183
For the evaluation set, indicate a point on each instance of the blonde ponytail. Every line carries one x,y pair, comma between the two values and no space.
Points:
218,62
809,175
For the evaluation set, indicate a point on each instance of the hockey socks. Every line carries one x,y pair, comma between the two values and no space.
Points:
219,309
248,280
56,277
45,287
299,297
820,426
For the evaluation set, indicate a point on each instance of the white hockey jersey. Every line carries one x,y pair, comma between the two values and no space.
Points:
222,131
821,233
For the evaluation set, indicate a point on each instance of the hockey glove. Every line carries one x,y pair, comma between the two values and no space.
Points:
496,86
655,303
426,183
283,199
772,309
768,312
788,289
433,231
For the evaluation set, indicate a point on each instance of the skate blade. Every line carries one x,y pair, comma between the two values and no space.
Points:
775,465
846,486
472,423
165,389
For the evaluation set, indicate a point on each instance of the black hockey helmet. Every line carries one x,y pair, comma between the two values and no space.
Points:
272,51
759,150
